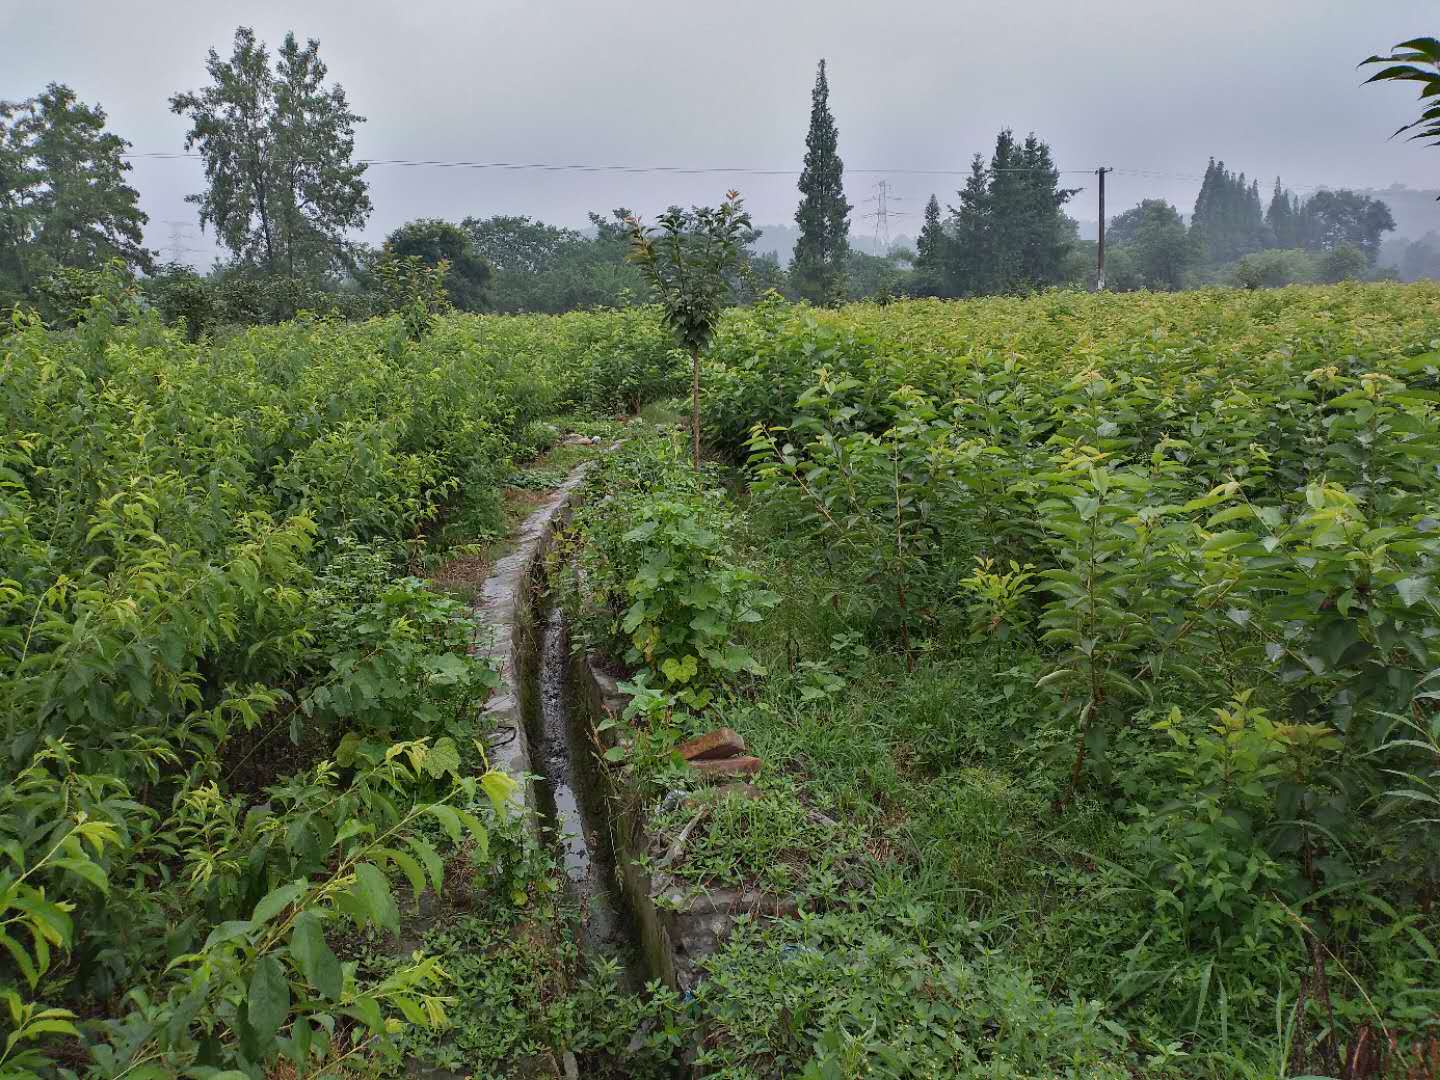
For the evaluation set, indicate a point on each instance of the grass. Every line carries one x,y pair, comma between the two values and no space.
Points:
914,817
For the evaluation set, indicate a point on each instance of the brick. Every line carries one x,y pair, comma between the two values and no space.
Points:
722,768
720,743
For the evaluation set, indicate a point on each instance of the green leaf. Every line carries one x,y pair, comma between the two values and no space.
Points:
1223,541
268,1000
478,832
410,868
500,787
345,752
447,669
680,671
447,817
1412,589
317,963
433,864
89,871
277,900
367,1011
443,758
373,891
227,931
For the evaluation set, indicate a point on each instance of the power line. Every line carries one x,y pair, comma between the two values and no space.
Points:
689,170
435,163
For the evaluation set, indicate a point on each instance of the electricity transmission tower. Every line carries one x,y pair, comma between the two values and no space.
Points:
179,244
882,214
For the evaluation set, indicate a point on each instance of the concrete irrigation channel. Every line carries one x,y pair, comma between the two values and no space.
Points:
548,735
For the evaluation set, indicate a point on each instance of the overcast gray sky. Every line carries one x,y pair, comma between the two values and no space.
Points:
1270,86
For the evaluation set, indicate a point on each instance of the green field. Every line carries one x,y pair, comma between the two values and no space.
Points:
1089,643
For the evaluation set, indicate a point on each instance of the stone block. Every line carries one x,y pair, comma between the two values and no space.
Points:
724,768
720,743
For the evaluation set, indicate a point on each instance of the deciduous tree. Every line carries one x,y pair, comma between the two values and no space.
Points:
1155,239
1332,219
282,186
433,241
64,200
544,268
691,261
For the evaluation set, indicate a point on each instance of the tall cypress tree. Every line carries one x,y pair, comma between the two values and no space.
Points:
1228,221
1280,219
968,269
930,252
818,273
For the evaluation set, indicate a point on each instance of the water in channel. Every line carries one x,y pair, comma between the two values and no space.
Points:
570,796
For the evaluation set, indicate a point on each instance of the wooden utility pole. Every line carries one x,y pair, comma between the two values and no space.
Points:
1100,248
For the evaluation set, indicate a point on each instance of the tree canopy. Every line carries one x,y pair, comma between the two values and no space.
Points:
434,241
930,252
1009,233
64,199
546,268
691,261
282,188
1228,222
1331,219
1156,247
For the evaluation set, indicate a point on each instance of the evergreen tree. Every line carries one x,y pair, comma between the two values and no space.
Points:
818,272
1045,235
968,270
1280,218
1009,234
930,252
1228,222
1328,220
1008,199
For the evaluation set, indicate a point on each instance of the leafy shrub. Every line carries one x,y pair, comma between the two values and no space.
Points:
657,564
1273,269
228,719
1203,499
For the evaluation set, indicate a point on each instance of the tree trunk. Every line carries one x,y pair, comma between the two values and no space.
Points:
695,406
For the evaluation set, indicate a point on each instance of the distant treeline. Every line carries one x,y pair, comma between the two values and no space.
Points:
283,195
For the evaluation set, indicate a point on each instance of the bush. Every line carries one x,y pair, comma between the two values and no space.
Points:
1274,269
227,714
659,572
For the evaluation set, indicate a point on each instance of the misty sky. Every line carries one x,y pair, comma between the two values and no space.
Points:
1270,86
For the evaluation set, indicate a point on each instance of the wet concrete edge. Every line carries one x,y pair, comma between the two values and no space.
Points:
679,925
503,615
